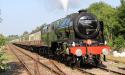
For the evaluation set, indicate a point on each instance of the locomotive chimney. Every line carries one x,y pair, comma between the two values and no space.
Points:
82,10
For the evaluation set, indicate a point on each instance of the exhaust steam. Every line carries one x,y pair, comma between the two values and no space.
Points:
65,4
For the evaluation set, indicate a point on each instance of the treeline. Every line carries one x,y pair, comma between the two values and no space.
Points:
114,22
2,40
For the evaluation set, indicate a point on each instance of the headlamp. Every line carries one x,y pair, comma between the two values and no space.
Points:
78,52
105,51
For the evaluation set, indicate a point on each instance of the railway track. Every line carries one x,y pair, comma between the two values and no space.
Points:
121,68
84,71
21,61
100,71
59,72
63,73
109,70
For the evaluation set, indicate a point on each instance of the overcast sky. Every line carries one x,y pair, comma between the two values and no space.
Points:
24,15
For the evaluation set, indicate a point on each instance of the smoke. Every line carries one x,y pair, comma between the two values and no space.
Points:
69,4
64,4
51,5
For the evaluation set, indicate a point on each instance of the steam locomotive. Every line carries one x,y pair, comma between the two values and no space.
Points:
76,39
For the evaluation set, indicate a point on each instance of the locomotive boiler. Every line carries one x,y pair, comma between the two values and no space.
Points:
76,39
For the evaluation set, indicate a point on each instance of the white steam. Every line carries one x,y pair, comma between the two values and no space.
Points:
65,4
117,54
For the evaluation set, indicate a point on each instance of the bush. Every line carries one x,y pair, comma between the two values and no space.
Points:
110,43
3,59
119,43
2,40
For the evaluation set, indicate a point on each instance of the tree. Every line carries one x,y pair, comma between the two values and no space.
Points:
121,18
39,28
119,43
107,14
3,58
25,33
2,40
114,22
12,37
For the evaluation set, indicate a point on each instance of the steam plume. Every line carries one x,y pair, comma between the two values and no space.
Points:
64,4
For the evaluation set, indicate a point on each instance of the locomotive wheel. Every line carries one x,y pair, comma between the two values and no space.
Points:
81,62
54,46
41,51
97,60
68,59
31,49
72,61
61,58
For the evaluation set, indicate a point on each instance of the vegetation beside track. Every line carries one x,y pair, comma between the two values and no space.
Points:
3,58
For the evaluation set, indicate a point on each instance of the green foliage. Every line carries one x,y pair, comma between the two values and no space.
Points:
38,28
114,22
25,33
107,14
3,59
119,42
110,43
121,18
11,37
2,40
